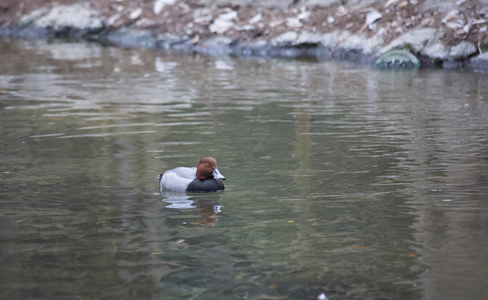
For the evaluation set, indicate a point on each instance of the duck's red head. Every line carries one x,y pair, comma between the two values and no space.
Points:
207,168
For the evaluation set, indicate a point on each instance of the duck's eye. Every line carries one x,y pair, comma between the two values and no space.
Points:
207,164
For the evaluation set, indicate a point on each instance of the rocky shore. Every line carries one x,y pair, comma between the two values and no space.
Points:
449,34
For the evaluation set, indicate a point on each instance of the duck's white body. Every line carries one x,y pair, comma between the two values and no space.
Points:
177,179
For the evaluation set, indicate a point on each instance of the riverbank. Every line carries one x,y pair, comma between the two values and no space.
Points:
447,34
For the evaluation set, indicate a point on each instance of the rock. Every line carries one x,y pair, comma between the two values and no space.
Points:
362,44
453,20
293,23
135,14
437,51
417,40
371,18
483,7
481,57
430,6
218,41
143,22
441,52
160,4
255,48
287,38
231,15
357,4
462,50
314,38
304,15
276,4
450,15
217,46
323,3
220,26
223,22
479,61
62,18
340,44
349,4
202,16
275,23
390,2
33,16
133,38
244,27
111,21
256,18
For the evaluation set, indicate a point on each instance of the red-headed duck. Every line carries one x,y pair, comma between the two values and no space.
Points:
204,178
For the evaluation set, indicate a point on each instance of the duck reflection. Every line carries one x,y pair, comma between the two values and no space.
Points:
207,205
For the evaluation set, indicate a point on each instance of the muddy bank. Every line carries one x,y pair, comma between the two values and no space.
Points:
438,33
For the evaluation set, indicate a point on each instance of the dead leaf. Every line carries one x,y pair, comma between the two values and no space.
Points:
360,247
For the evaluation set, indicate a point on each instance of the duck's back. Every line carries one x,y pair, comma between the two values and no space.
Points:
177,179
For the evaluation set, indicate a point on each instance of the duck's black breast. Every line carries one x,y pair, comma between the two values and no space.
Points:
205,186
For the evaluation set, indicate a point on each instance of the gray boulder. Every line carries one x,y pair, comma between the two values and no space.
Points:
72,20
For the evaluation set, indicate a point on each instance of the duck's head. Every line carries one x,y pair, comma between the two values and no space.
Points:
207,168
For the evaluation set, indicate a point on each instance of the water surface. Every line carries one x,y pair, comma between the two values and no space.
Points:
341,180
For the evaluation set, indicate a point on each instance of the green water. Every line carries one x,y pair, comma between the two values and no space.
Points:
341,180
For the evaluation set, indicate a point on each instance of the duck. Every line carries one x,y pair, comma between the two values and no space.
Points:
201,179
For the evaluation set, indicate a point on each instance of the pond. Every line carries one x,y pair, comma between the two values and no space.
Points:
343,182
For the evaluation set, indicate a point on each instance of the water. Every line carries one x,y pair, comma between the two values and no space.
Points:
341,180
